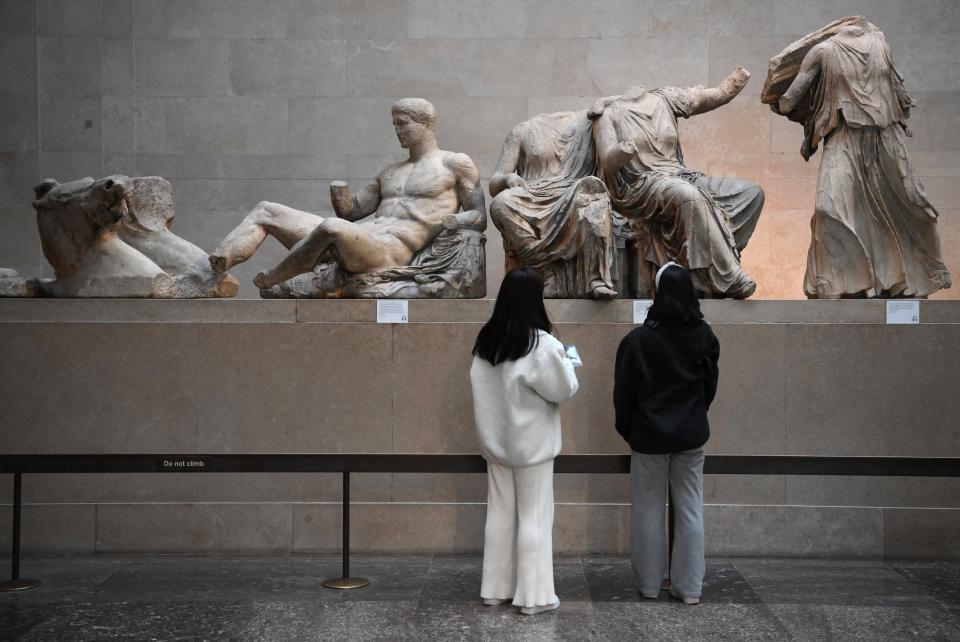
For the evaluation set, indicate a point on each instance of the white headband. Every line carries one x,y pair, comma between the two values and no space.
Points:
656,280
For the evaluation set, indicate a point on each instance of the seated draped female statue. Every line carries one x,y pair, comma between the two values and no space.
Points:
552,211
701,222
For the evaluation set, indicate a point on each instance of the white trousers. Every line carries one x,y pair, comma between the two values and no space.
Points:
518,538
649,477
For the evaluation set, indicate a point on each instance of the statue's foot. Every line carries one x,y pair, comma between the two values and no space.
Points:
219,264
432,288
603,293
744,289
264,280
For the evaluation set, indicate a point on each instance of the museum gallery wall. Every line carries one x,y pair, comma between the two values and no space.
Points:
609,138
323,149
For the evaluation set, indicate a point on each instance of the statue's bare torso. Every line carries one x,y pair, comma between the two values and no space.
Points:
414,198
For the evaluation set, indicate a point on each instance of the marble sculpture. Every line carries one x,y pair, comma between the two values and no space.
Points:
14,285
596,200
552,211
414,232
111,238
677,214
874,233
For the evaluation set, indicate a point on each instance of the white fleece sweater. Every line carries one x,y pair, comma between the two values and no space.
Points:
516,403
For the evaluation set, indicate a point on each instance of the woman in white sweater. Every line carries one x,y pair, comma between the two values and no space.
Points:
520,374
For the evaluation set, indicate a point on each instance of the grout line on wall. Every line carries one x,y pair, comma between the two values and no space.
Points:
786,391
883,531
393,414
133,80
293,526
36,74
100,48
196,404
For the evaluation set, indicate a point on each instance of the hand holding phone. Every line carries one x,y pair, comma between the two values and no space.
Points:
573,355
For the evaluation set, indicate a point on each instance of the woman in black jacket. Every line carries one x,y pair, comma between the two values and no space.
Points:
666,376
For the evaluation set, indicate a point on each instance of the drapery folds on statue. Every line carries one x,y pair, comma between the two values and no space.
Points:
553,213
701,222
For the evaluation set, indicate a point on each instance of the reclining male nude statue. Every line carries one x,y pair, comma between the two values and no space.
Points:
388,231
701,222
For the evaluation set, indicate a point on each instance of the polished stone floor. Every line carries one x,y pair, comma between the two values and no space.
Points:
424,597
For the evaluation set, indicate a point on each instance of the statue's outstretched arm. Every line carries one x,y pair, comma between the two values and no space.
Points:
712,97
505,176
809,70
354,208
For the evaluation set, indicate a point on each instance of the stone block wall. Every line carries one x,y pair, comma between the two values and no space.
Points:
238,101
191,377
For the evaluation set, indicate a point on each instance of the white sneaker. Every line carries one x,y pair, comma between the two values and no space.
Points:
650,596
689,601
495,601
533,610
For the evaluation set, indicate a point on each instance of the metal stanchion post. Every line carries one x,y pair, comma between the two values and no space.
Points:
15,583
345,581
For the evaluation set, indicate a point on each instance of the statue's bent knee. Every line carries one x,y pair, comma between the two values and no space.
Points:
263,212
499,213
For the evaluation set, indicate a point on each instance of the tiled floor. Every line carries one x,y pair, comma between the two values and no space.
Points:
424,597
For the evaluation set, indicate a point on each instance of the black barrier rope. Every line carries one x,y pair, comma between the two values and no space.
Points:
456,463
409,463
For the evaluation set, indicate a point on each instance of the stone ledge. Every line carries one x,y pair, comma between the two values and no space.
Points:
147,311
441,311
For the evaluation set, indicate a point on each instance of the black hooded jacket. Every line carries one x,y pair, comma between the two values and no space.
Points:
665,379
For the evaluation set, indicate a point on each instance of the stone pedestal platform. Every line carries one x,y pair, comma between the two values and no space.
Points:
797,378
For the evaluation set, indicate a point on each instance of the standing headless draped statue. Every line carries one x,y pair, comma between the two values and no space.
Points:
701,222
873,230
553,213
401,226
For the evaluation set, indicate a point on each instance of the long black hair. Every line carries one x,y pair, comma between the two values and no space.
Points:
675,300
511,331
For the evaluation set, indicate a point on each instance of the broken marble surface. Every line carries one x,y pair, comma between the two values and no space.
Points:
111,238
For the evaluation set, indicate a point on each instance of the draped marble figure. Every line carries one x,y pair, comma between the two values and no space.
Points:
553,214
701,222
415,231
873,230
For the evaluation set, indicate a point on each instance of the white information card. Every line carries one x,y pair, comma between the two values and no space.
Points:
640,309
903,312
392,310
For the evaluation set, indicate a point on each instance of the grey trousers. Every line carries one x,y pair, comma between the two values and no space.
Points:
649,476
